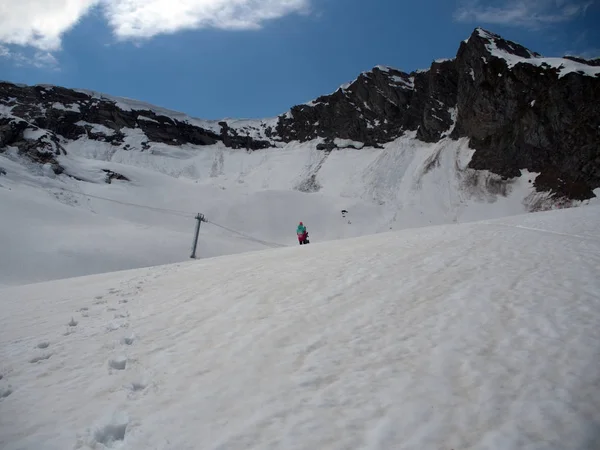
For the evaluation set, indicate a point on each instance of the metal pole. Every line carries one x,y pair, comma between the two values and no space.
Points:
199,220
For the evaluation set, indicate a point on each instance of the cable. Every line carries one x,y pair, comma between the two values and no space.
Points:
178,213
153,208
260,241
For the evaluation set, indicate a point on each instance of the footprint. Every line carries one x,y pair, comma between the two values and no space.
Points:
118,363
127,340
136,386
85,308
318,382
121,315
72,323
115,325
37,359
5,392
123,301
108,435
43,344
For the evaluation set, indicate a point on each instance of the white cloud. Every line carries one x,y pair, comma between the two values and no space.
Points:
529,13
41,23
39,59
44,59
146,18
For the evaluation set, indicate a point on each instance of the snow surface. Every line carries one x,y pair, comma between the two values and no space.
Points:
453,115
58,227
383,68
96,127
406,83
342,143
74,107
6,110
147,119
472,336
34,134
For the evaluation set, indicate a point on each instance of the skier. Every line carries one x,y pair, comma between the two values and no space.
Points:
302,234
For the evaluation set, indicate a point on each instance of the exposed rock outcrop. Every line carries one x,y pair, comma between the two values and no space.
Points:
540,115
73,114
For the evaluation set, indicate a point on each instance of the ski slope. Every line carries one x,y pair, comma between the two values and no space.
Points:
75,224
481,335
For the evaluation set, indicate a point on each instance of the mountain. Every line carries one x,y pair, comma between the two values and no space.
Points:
470,336
519,110
92,183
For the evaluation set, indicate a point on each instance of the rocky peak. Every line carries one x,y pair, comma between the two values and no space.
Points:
370,109
492,41
523,111
519,110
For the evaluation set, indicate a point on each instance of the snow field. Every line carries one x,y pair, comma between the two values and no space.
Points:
471,336
59,227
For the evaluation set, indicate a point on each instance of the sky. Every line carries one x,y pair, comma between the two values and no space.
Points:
218,59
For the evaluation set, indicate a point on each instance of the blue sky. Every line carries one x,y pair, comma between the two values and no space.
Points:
256,58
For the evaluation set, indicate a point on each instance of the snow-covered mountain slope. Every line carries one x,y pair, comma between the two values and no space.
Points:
471,336
76,224
497,130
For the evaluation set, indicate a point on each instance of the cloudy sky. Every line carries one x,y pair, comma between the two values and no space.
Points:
256,58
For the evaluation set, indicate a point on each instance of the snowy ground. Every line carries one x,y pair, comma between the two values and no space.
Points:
469,336
57,227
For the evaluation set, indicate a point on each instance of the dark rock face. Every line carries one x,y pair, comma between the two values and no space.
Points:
518,110
39,145
231,138
72,114
378,107
370,110
528,117
438,98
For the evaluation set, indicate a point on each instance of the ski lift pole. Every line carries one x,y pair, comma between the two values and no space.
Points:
199,219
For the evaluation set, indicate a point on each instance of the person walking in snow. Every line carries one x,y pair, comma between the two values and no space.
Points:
302,234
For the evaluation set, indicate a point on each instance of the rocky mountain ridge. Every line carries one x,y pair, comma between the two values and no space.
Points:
520,111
